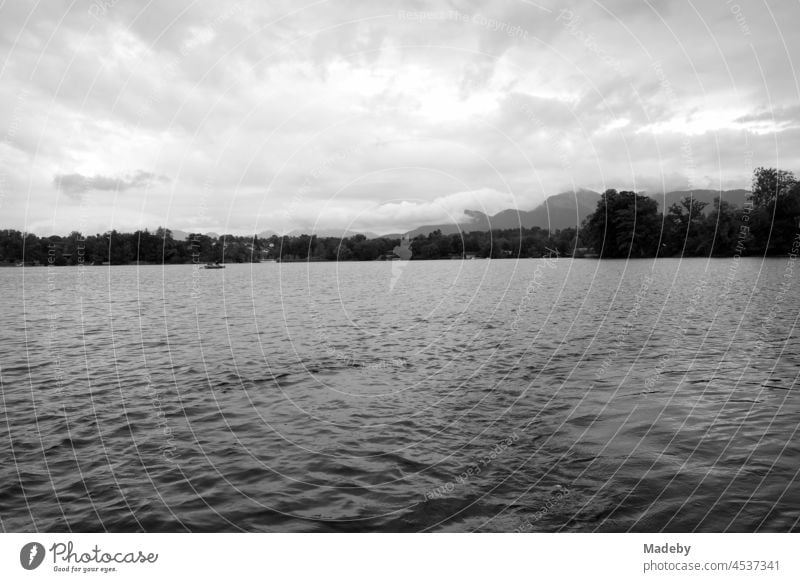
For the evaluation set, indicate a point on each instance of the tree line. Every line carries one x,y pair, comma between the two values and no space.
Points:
120,248
160,247
626,224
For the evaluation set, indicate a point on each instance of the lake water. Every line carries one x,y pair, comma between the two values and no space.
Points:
533,395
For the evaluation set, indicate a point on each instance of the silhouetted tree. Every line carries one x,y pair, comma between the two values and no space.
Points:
684,229
625,224
770,184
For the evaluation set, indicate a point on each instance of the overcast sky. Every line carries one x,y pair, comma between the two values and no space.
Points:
379,116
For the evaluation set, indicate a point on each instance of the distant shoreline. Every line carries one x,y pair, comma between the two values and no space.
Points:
295,261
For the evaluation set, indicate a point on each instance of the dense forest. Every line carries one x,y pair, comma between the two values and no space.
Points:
625,224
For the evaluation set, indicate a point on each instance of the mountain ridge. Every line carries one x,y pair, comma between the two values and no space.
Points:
568,210
563,210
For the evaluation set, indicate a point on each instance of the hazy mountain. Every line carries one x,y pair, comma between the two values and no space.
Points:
477,221
559,211
564,210
569,209
184,235
330,233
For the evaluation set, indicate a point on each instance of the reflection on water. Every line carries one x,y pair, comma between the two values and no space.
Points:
458,396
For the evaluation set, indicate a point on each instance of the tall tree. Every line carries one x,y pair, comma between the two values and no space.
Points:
684,228
770,184
722,229
625,224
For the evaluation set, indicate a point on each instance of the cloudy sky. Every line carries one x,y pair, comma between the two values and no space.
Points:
381,116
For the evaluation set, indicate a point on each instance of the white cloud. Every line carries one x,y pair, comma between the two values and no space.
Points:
278,112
